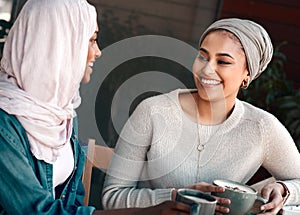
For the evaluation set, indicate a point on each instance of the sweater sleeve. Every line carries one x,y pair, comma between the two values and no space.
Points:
126,168
282,158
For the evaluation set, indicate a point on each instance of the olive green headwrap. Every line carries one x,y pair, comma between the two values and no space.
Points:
254,39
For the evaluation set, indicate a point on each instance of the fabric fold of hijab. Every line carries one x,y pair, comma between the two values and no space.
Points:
42,67
254,39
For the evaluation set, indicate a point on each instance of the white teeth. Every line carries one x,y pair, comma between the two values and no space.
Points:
211,82
91,64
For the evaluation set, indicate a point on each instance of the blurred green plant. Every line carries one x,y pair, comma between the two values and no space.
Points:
289,113
273,92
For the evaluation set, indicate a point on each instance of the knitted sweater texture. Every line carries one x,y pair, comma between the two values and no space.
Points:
158,150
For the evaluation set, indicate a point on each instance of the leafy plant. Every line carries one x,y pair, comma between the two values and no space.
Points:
273,92
289,113
270,85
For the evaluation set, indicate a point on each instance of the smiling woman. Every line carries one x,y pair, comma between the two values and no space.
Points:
93,53
40,155
219,72
189,138
41,160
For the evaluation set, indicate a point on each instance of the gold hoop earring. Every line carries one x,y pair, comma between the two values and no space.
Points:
244,84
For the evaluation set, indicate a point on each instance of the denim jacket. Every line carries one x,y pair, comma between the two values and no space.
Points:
26,183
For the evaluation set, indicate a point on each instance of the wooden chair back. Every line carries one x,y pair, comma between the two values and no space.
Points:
97,157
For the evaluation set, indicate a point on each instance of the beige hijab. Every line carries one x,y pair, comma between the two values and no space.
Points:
43,62
254,39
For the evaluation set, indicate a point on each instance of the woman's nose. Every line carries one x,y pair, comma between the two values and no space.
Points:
208,68
98,52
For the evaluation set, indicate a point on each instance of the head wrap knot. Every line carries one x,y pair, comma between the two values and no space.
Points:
254,39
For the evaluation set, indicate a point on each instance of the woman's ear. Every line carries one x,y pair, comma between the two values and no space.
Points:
246,81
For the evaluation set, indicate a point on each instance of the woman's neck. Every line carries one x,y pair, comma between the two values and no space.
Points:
212,112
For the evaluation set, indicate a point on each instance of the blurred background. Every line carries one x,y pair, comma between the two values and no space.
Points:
276,91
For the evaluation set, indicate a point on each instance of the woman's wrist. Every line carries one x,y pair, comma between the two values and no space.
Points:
285,191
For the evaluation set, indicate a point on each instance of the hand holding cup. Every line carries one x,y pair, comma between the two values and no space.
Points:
201,203
242,197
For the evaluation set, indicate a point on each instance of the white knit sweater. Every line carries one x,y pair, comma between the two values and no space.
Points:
158,147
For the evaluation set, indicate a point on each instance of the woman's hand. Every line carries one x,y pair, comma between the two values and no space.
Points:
274,194
206,187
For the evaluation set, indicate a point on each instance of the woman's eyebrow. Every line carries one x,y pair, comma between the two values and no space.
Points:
225,54
204,50
219,54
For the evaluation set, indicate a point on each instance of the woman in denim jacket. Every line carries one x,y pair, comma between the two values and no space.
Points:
49,51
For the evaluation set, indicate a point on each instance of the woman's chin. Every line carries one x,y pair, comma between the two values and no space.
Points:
86,79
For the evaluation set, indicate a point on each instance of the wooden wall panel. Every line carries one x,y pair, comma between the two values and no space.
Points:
182,19
266,10
175,11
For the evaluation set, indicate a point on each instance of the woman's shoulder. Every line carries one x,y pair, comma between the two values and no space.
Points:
164,103
161,99
8,120
252,112
270,126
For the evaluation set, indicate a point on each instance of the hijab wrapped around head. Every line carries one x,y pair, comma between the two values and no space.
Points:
254,39
43,62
